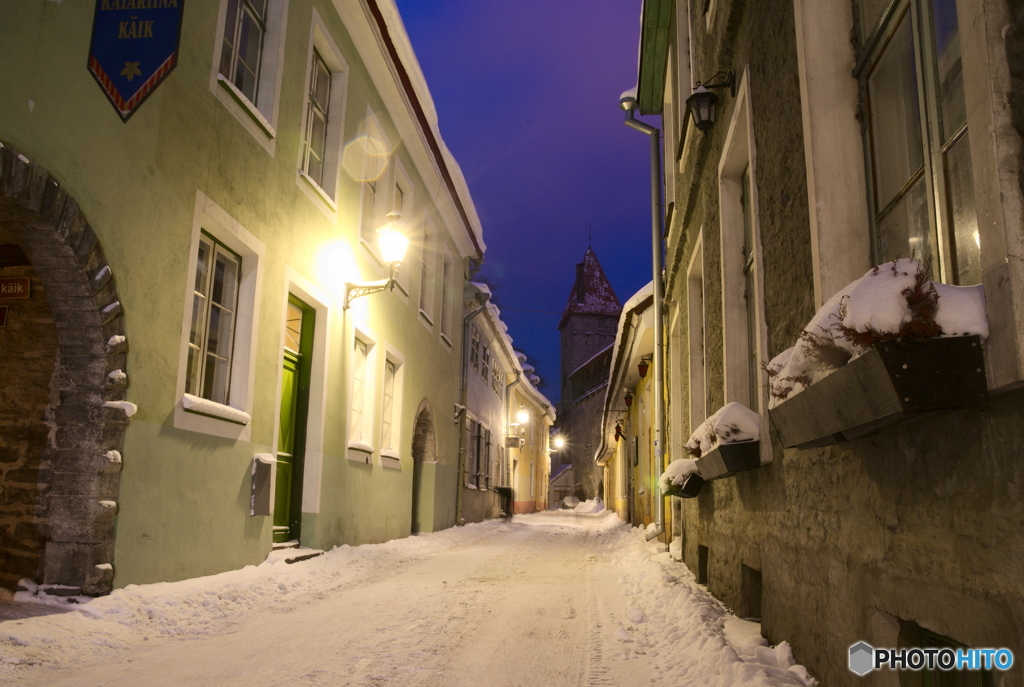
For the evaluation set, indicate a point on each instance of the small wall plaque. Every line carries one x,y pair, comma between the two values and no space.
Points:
14,288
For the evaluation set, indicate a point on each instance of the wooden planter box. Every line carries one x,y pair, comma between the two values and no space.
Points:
688,489
890,384
728,459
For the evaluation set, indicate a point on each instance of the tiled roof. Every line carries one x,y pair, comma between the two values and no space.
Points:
591,293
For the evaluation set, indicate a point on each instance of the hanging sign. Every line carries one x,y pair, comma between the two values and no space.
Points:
134,47
14,288
3,316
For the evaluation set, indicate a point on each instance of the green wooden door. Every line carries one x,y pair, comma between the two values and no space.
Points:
291,436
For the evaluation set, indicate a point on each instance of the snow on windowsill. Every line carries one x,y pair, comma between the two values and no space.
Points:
733,423
389,459
219,411
247,105
359,452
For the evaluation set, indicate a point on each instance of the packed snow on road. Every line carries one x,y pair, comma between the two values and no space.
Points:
556,598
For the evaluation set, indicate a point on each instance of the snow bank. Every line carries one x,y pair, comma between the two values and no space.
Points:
733,422
676,473
892,301
590,506
688,635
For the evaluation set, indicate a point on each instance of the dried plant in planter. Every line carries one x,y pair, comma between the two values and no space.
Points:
922,301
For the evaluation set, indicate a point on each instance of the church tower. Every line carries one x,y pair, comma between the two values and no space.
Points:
588,329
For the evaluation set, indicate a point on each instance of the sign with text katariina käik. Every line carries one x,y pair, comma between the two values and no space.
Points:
134,47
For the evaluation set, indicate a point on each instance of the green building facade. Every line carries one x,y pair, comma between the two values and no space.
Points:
186,360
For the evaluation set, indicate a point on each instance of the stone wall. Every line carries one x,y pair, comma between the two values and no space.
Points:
28,356
81,448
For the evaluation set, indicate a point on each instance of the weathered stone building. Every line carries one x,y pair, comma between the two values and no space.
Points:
587,331
826,156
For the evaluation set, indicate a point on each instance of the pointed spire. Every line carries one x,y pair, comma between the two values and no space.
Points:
591,293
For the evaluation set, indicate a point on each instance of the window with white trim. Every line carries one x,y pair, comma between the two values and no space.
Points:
424,296
247,64
358,415
485,362
242,49
387,408
211,336
446,298
474,348
318,102
916,141
497,378
376,157
696,336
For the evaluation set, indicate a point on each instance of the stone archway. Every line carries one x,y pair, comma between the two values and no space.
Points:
76,463
424,458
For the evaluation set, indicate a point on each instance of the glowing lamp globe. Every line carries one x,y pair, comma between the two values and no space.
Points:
523,416
392,240
559,443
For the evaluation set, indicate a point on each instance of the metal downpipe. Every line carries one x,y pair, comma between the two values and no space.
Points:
659,333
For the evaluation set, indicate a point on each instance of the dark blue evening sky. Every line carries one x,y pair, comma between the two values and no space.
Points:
527,97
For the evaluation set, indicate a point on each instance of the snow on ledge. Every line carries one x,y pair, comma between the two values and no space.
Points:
202,406
733,423
360,446
676,473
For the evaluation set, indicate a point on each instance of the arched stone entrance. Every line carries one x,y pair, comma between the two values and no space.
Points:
424,456
59,486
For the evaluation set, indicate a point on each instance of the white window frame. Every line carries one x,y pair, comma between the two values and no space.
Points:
697,335
401,181
739,155
324,195
361,449
447,298
426,304
224,420
390,455
259,118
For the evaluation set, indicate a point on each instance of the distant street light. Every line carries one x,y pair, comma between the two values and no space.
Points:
523,416
559,443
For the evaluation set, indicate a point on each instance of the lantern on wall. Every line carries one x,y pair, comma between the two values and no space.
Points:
618,431
701,103
642,367
629,399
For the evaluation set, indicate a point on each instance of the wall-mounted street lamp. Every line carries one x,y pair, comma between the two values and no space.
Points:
559,443
643,365
392,242
702,103
523,416
618,431
629,399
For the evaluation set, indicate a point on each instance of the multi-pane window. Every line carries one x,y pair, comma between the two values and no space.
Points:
423,271
474,348
369,209
244,29
916,137
496,378
398,202
750,290
473,453
358,411
486,477
387,412
485,362
446,306
212,332
315,136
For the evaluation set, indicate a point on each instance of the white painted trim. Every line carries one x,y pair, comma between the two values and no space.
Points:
739,152
268,93
323,196
219,224
696,332
398,441
367,336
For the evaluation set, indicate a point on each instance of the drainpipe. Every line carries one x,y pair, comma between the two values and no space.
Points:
463,398
629,103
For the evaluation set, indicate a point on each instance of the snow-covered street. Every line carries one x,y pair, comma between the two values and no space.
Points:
555,598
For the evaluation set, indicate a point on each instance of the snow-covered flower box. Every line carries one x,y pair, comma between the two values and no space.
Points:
889,384
887,348
728,459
